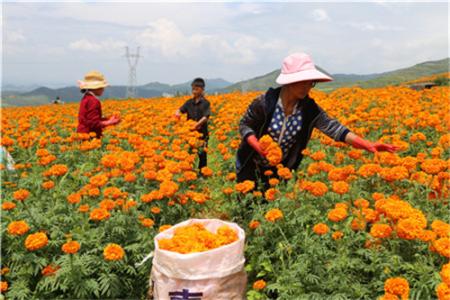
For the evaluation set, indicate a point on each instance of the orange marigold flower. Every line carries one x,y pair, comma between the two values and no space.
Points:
337,235
113,252
99,214
147,222
107,204
321,229
155,210
259,284
273,181
443,291
337,214
231,176
445,273
273,215
3,286
361,203
83,208
74,198
358,224
433,166
245,186
254,224
380,231
18,228
36,241
409,229
441,228
7,205
442,246
48,185
273,150
50,270
319,155
99,180
397,286
284,173
271,194
164,227
206,171
340,187
21,195
227,191
196,238
71,247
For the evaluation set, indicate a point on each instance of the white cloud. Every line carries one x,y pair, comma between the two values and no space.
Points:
320,15
167,39
14,36
367,26
96,46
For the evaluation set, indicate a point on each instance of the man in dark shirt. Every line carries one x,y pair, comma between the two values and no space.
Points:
198,109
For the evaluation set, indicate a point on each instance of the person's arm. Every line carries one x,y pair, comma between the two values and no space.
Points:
335,130
181,110
253,118
206,113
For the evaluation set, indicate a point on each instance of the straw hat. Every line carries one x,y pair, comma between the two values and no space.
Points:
93,80
300,67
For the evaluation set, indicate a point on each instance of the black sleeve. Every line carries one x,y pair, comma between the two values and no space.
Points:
183,108
252,119
207,110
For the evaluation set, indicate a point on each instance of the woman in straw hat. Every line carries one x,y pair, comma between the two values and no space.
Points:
90,114
289,115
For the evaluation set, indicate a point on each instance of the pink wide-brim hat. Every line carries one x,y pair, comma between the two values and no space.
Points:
300,67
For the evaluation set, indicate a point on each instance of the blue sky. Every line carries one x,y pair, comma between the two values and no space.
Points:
56,43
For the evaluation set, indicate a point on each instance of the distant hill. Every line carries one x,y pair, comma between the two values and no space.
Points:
44,95
340,80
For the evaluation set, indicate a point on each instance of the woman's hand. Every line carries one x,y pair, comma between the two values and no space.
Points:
254,143
360,143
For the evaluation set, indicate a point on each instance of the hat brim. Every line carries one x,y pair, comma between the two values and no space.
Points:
92,85
314,75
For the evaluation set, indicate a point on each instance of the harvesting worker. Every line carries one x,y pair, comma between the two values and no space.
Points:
90,117
198,109
289,115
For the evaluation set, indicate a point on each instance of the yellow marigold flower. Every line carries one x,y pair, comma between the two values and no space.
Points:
273,215
36,241
442,246
337,214
113,252
273,150
443,291
337,235
445,273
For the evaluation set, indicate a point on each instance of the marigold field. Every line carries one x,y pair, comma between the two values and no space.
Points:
79,214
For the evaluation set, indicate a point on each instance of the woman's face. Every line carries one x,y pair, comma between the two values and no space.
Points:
98,92
300,89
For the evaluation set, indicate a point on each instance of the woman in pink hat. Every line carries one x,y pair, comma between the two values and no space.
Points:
289,115
90,117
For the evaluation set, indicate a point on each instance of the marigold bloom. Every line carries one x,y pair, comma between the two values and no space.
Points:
196,238
337,214
409,229
442,246
271,194
337,235
254,224
284,173
321,229
99,214
7,205
48,185
36,241
273,215
50,270
443,291
397,286
74,198
83,208
21,195
445,273
71,247
273,150
113,252
99,180
155,210
164,227
206,171
147,222
259,284
3,286
245,186
18,228
340,187
380,231
441,228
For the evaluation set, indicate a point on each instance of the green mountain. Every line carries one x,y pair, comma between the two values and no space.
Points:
340,80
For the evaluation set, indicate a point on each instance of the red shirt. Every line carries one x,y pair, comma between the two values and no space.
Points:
90,115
